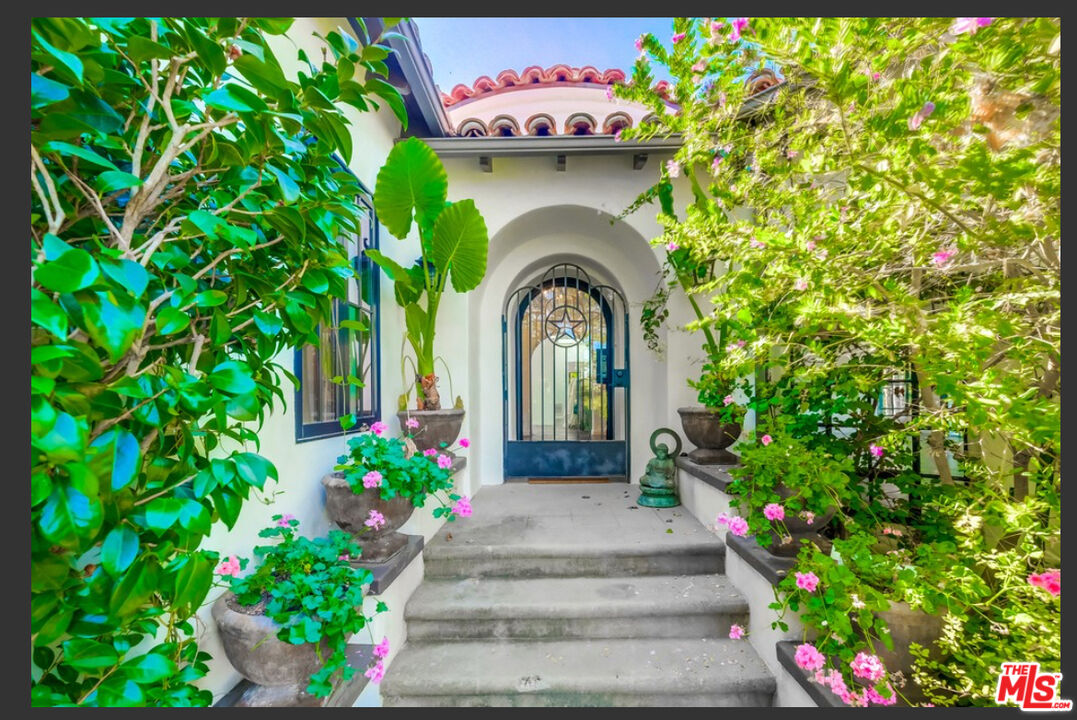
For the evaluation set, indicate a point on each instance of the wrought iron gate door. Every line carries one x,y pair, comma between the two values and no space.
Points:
565,378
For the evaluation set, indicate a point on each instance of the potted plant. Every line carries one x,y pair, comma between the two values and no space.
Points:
288,623
788,491
716,425
453,241
377,486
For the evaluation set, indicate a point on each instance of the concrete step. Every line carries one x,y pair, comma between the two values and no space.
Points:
685,606
573,673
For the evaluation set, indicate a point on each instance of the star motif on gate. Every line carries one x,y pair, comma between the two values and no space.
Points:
563,326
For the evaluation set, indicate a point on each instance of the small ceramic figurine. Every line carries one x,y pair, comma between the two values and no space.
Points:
658,484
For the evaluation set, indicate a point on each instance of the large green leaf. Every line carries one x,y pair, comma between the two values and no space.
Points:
231,377
235,98
119,549
84,654
124,455
411,184
74,270
113,325
148,668
459,245
44,91
68,513
47,314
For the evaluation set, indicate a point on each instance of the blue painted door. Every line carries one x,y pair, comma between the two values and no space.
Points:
565,378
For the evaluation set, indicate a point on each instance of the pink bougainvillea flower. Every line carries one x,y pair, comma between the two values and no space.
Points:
766,439
372,479
738,526
868,667
739,343
444,462
464,443
774,511
677,38
969,25
810,245
609,92
673,168
920,115
285,520
738,25
411,423
759,244
716,27
375,520
727,400
801,284
791,154
671,246
617,135
736,632
807,581
378,427
462,507
639,44
716,162
229,567
808,657
376,672
877,450
943,256
700,66
382,649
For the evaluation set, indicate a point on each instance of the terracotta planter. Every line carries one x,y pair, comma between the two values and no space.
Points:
350,511
435,427
710,435
252,646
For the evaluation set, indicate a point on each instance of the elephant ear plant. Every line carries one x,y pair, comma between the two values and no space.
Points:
413,186
185,210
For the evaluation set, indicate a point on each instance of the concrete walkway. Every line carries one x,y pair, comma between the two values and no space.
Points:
572,595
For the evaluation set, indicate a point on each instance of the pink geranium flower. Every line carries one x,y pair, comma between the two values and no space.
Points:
229,567
738,25
376,672
736,632
382,649
774,511
873,695
344,556
462,507
920,115
444,462
609,92
877,450
807,515
430,452
766,439
677,38
1049,580
868,667
942,256
411,423
969,25
464,442
372,479
285,520
722,519
378,427
738,526
808,657
807,581
375,520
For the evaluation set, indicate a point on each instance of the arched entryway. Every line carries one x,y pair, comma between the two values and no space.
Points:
565,375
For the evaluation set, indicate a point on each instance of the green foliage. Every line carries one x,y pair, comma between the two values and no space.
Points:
412,185
893,204
401,471
310,589
185,201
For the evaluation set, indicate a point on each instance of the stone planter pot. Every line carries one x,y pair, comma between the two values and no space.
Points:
350,511
710,435
435,427
908,626
252,646
799,529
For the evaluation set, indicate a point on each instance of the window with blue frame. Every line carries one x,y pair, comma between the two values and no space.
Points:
319,402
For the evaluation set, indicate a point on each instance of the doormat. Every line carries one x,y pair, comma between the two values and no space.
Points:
566,480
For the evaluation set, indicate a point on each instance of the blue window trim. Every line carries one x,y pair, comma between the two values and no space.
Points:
306,432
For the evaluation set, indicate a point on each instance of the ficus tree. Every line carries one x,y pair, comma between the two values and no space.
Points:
412,186
186,209
894,203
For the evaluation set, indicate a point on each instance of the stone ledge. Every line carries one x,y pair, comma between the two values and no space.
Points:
248,694
823,697
386,572
771,567
716,476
